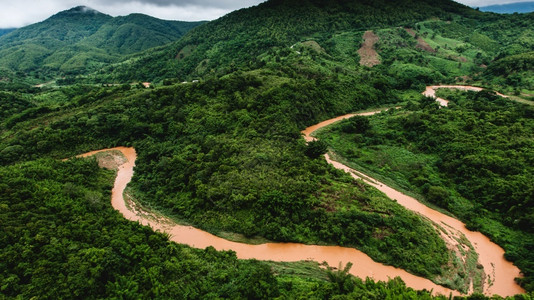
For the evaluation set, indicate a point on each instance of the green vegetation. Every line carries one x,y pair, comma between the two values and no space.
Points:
223,151
81,40
473,159
6,30
61,238
197,161
274,25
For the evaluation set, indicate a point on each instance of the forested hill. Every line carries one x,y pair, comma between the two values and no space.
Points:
225,153
81,38
239,37
137,32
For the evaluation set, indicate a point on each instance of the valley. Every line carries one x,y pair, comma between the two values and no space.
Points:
425,191
490,255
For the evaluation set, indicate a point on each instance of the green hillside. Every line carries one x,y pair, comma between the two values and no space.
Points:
135,33
82,39
240,37
460,41
219,144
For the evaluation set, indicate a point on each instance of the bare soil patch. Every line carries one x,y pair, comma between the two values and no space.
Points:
109,159
368,55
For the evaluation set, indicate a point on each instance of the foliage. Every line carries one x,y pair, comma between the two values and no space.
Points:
80,39
61,238
237,39
473,159
224,152
227,155
4,31
357,124
315,149
517,69
11,104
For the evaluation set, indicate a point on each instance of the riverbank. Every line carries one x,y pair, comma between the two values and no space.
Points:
502,272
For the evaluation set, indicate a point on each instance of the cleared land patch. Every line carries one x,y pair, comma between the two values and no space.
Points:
368,55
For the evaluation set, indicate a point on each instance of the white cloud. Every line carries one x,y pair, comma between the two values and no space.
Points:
21,13
172,12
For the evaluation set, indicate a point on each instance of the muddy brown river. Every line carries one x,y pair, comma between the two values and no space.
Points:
500,272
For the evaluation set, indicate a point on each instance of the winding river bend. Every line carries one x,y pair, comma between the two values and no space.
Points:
500,271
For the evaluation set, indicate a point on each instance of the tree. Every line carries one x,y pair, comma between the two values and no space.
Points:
438,195
357,124
341,278
316,148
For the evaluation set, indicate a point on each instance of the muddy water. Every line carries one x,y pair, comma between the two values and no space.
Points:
308,131
363,267
500,272
491,256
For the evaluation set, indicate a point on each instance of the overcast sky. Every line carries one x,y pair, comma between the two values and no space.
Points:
18,13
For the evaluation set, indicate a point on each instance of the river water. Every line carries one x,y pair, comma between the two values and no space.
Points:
491,256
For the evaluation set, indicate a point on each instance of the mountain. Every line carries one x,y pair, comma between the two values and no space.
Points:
518,7
136,32
82,38
245,34
240,39
223,151
4,31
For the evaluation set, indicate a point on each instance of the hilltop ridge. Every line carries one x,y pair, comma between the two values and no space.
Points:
81,39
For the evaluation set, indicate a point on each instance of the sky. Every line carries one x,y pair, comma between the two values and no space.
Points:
18,13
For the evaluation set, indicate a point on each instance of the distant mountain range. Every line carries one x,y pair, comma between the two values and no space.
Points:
4,31
81,38
519,7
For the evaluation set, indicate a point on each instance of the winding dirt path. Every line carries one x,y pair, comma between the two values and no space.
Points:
501,272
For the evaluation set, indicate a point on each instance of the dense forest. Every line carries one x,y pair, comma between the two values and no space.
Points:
5,30
80,40
218,137
279,24
473,159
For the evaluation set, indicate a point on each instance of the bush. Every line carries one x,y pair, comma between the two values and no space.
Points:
314,149
357,124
